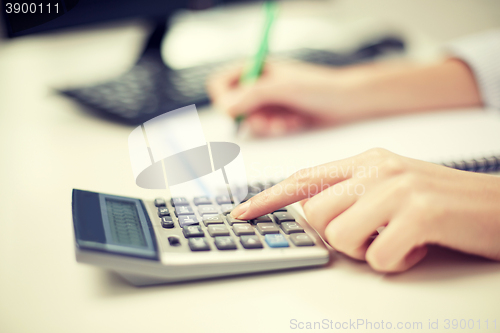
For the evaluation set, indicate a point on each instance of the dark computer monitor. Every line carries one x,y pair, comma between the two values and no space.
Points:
29,17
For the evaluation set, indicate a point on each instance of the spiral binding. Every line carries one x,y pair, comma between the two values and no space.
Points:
485,164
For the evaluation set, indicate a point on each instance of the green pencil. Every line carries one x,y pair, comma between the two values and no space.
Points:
256,64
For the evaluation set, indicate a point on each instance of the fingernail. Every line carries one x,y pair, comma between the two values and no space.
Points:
240,210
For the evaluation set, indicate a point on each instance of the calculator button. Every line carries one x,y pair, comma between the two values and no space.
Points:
267,228
166,222
185,220
184,210
160,202
202,201
226,208
174,241
212,219
301,239
280,210
283,217
192,231
243,229
163,211
218,230
225,243
207,209
261,219
276,240
198,244
231,220
251,242
291,227
223,199
179,202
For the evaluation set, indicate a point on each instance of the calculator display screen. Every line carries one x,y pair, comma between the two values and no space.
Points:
113,224
124,223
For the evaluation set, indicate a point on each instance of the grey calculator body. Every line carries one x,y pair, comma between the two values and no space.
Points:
128,236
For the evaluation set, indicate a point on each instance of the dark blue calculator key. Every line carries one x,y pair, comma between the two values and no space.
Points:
262,219
198,244
276,240
291,227
166,222
251,242
185,220
268,228
179,201
202,201
160,202
163,211
225,243
283,217
301,239
192,231
184,210
223,199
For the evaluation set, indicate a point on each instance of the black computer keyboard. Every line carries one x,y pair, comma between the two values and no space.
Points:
150,88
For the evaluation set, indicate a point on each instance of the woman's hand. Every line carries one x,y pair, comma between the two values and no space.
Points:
293,96
419,203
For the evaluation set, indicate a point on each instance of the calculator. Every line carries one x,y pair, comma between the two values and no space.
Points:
181,239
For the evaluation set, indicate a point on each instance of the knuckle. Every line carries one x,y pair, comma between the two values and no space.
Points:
375,259
335,237
377,153
392,165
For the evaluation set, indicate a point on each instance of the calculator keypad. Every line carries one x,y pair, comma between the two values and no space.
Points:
220,231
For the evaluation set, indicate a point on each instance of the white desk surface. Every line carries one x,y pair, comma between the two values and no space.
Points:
49,145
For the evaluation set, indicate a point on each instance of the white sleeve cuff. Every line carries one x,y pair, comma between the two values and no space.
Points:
482,53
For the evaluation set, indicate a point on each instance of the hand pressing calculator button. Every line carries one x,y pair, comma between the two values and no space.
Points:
198,244
251,242
148,248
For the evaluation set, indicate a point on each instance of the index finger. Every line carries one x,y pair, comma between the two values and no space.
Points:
301,185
